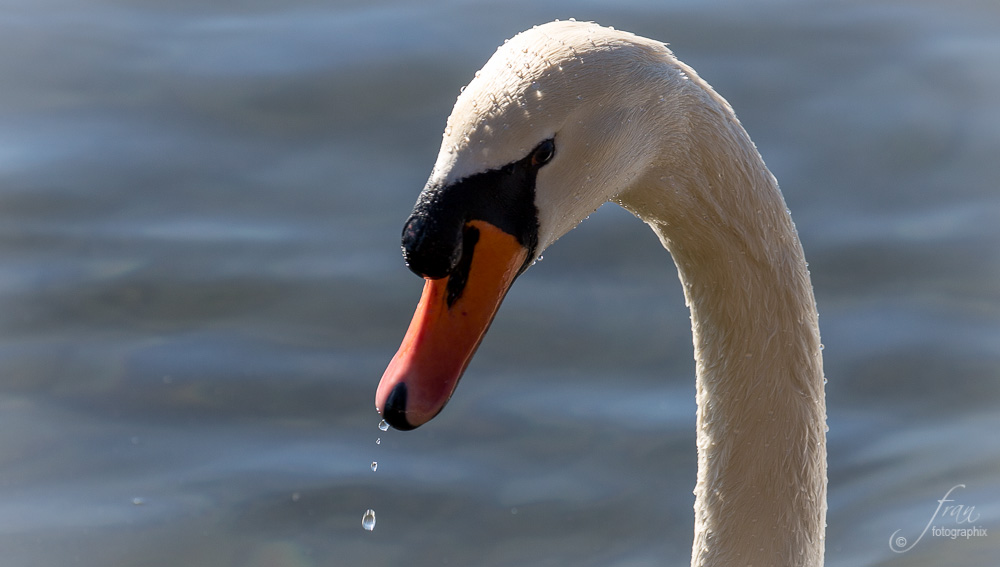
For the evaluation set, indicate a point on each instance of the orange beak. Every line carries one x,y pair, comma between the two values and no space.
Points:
447,327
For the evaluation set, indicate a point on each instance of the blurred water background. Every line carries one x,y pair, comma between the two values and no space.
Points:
200,282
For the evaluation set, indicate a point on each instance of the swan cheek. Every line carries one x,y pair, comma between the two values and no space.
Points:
447,327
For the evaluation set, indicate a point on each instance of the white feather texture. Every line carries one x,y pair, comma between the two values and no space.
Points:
634,125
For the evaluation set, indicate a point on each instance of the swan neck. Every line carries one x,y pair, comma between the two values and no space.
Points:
761,489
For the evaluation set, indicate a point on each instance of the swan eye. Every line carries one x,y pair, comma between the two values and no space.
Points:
543,153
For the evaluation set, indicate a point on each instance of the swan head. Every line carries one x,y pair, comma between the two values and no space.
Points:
578,91
558,122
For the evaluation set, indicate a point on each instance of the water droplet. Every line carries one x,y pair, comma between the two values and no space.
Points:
378,441
572,19
461,90
827,429
368,521
825,380
382,425
374,466
821,347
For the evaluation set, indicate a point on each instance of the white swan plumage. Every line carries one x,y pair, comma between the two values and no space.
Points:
567,116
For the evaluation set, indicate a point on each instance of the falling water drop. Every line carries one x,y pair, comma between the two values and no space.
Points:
374,466
378,441
368,521
382,425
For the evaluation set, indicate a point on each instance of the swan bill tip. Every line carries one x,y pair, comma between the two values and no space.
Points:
394,412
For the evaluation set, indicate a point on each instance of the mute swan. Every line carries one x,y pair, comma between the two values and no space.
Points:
567,116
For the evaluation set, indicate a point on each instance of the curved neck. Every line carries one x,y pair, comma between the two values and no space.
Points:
761,491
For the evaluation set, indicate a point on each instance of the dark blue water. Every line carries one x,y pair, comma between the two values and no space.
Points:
200,280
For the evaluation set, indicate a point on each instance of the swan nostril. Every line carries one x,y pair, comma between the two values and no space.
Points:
394,412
